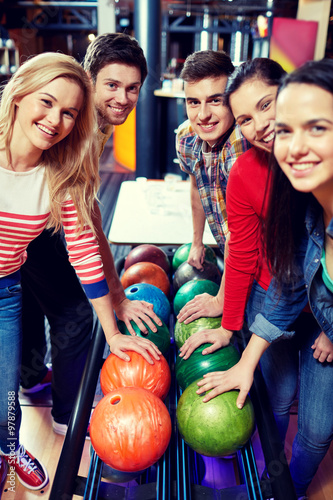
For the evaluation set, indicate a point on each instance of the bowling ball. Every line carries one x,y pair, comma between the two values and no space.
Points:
190,289
182,331
137,372
153,295
161,338
216,428
130,429
146,272
186,272
148,253
193,368
182,253
114,475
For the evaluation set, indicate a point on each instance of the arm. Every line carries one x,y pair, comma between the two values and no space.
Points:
244,205
197,253
84,255
125,309
238,377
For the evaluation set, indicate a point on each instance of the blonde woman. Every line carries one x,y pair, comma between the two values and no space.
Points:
48,178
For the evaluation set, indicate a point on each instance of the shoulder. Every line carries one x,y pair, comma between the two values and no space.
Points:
252,160
236,144
185,133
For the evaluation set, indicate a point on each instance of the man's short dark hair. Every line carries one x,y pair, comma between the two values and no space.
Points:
206,64
114,48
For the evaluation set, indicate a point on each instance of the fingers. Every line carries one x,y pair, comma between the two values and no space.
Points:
212,348
194,309
186,350
150,315
120,343
241,398
322,356
195,262
130,327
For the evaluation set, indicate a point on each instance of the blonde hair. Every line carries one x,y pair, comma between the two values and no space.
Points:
72,164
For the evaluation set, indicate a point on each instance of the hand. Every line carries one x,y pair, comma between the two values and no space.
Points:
218,337
196,256
120,343
238,377
201,306
137,311
323,348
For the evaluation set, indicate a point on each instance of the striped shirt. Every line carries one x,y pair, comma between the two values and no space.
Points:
211,184
24,212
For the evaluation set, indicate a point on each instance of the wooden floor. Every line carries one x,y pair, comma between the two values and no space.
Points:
36,430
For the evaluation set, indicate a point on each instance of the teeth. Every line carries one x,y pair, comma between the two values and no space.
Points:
207,127
44,129
269,138
302,166
117,110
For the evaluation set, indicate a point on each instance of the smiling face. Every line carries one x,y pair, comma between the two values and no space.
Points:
47,116
253,106
209,118
304,138
116,93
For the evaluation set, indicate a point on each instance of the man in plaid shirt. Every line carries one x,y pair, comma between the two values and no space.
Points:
207,145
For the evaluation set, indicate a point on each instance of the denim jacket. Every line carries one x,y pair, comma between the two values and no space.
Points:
280,309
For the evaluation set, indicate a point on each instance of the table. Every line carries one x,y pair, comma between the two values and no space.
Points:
156,212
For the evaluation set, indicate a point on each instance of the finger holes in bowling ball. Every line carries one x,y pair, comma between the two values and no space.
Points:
115,400
134,289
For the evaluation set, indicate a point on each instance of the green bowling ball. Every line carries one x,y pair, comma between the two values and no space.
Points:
194,368
161,338
182,253
190,289
182,331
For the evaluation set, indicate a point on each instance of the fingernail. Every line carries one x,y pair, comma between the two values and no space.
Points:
239,406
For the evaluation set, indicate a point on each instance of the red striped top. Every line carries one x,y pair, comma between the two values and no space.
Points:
24,212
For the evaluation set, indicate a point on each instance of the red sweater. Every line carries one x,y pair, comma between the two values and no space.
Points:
246,206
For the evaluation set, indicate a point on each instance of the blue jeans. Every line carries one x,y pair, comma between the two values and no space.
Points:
10,361
285,365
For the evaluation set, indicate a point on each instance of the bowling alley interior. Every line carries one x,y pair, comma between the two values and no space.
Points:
137,428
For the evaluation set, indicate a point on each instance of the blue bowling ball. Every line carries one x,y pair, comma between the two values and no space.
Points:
153,295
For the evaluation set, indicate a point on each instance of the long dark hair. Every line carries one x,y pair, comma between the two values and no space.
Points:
287,206
260,68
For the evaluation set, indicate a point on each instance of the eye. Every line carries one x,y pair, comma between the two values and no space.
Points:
70,114
134,89
193,103
280,132
266,105
112,86
47,102
244,121
317,129
216,100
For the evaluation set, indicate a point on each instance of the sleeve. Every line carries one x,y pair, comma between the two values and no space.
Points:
242,261
279,311
84,254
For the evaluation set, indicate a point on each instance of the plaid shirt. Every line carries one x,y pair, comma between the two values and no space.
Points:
212,189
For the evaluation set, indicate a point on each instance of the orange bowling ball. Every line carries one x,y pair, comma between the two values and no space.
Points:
146,272
137,372
130,429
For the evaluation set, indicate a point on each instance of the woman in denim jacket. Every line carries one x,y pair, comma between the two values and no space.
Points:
301,260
